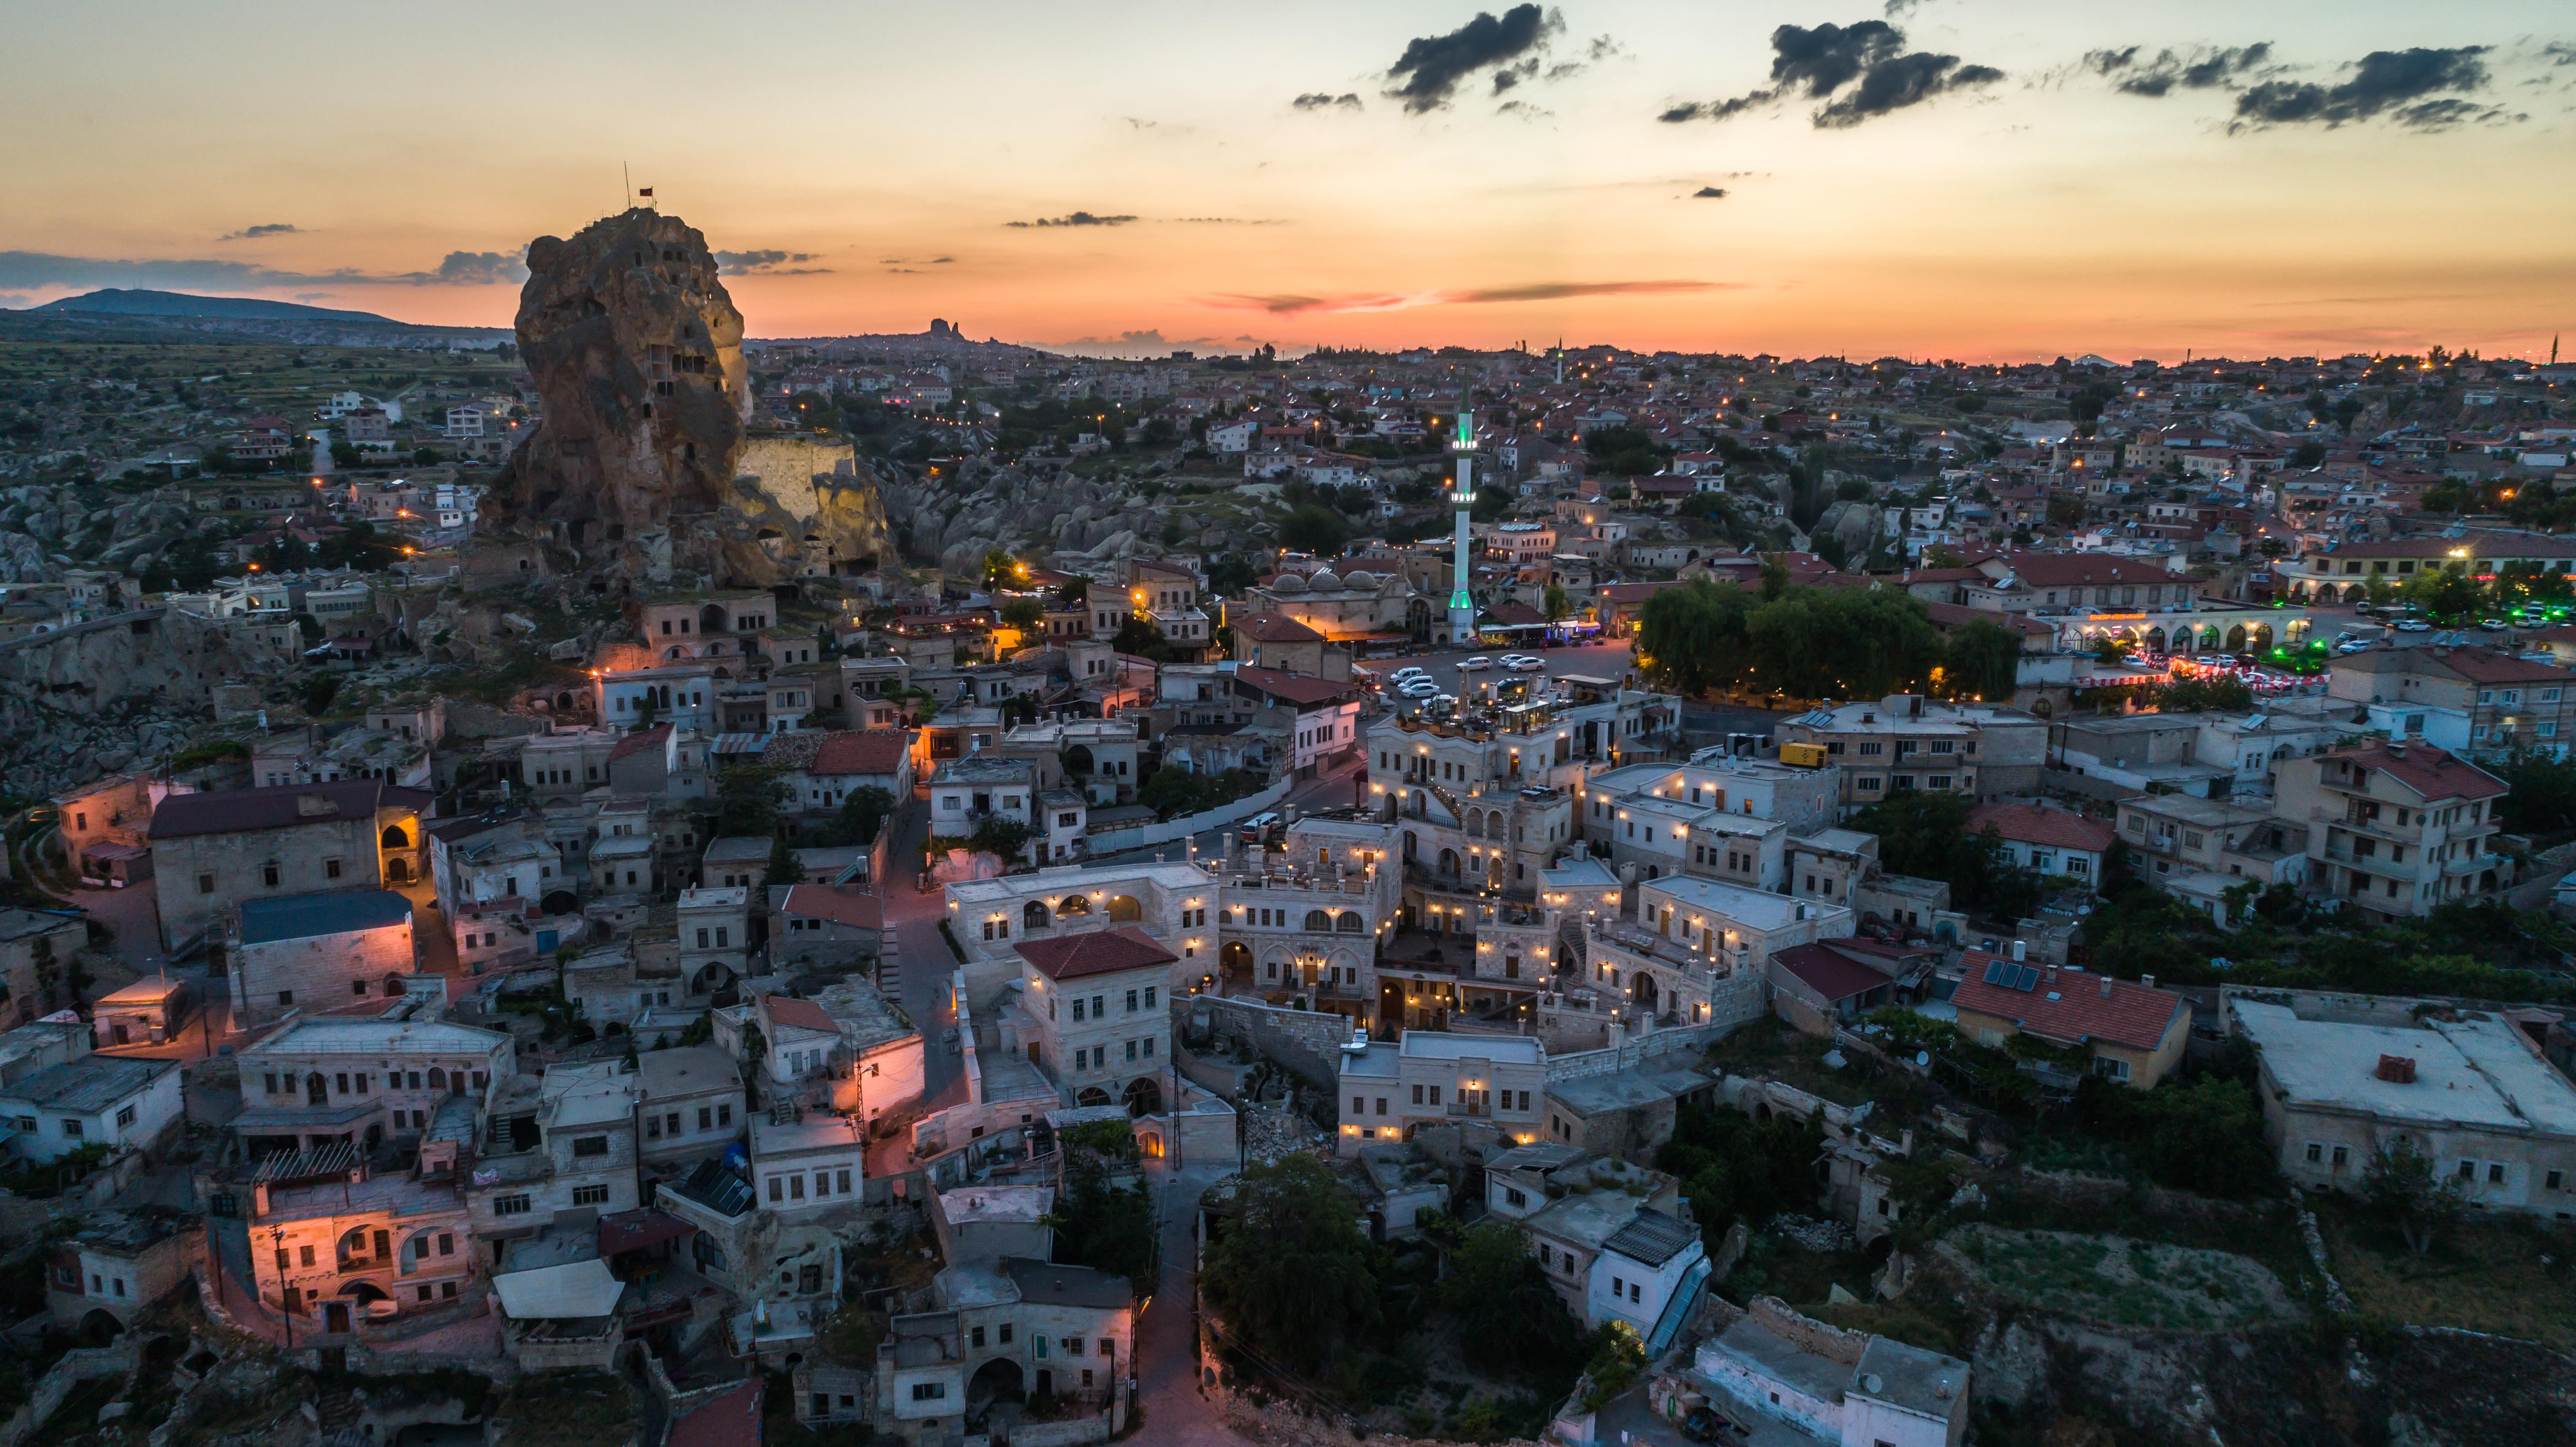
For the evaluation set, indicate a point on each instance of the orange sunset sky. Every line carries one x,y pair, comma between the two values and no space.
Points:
1973,180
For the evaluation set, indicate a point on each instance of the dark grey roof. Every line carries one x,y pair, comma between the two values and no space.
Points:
232,811
18,924
302,916
1651,1237
91,1083
716,1188
1045,1283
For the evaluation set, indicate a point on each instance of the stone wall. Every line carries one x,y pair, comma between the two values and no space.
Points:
100,697
1306,1043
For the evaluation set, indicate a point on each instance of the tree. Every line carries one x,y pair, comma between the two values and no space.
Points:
857,820
2311,453
784,868
1023,613
2450,594
1495,1283
1927,834
1292,1273
1312,529
1553,603
1099,1225
999,566
1139,637
747,800
2401,1188
1692,638
1981,660
1001,836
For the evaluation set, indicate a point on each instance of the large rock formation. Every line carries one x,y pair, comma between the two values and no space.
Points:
642,466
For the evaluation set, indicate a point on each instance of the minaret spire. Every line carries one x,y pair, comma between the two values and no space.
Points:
1462,608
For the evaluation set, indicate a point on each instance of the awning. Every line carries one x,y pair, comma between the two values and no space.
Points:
575,1291
635,1230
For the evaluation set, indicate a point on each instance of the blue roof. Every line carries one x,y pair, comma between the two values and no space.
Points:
302,916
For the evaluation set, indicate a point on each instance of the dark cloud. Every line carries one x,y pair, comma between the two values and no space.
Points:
1431,68
43,269
772,263
313,296
2200,68
2404,85
2558,53
1868,56
1076,218
472,268
1292,303
1321,101
1708,193
941,260
254,233
1524,110
1893,85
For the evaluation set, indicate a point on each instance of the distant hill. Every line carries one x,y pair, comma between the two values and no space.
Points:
182,304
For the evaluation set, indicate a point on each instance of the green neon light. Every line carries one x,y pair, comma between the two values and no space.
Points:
1459,599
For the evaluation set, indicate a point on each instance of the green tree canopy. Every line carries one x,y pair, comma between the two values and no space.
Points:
1494,1283
1292,1273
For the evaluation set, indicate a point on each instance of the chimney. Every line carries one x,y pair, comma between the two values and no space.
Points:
2021,951
2106,987
2052,977
2394,749
2147,980
2397,1069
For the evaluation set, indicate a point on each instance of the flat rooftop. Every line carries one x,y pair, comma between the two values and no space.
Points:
2474,1071
1435,1045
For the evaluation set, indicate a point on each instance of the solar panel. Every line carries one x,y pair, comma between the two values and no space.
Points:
1994,971
2026,976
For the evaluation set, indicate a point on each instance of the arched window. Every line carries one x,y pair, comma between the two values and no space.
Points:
1072,904
1125,907
1316,919
1351,923
395,837
437,1078
1034,915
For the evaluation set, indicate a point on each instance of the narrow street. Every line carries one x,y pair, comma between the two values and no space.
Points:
1168,1386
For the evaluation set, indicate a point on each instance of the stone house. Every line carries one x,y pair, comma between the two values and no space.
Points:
692,1102
94,1100
116,1262
324,1080
212,851
2133,1032
318,952
36,948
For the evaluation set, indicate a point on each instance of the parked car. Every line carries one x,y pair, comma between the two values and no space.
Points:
2413,625
2493,625
1417,688
1475,664
1258,827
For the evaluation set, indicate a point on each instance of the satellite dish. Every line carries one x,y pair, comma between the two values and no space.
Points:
1922,1057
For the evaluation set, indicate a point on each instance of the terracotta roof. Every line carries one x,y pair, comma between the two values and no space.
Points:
1276,628
1101,952
729,1420
1297,688
2131,1014
638,741
2432,773
1827,973
846,904
2062,570
2038,824
861,751
1946,616
234,811
803,1014
1515,615
2481,665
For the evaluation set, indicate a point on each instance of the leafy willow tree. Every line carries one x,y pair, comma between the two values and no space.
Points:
1292,1273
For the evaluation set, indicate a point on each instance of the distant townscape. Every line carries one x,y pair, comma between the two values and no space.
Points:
620,883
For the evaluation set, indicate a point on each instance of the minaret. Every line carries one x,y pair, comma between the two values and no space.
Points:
1462,609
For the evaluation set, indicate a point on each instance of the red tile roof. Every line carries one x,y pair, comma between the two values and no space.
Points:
2479,665
638,741
1100,952
2432,773
730,1420
1276,628
2131,1014
1296,688
1829,974
2062,570
803,1014
2038,824
861,751
843,904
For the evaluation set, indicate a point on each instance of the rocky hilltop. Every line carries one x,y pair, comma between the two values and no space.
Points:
642,466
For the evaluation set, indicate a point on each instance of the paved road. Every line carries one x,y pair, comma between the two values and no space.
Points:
1166,1340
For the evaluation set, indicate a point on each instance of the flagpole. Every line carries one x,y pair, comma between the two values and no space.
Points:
627,173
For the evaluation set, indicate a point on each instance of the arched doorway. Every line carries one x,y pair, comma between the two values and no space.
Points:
562,901
1144,1096
712,979
1092,1095
99,1328
1123,907
397,870
2236,639
1077,762
1072,904
1449,863
1644,989
998,1380
711,619
1033,915
395,838
1235,960
317,1091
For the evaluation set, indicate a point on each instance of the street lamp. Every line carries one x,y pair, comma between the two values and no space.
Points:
285,1302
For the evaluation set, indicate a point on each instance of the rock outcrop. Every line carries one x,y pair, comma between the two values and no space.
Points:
643,466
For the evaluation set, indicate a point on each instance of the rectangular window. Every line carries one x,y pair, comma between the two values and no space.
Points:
589,1145
591,1195
510,1205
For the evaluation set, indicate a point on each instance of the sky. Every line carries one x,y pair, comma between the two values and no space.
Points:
1977,179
